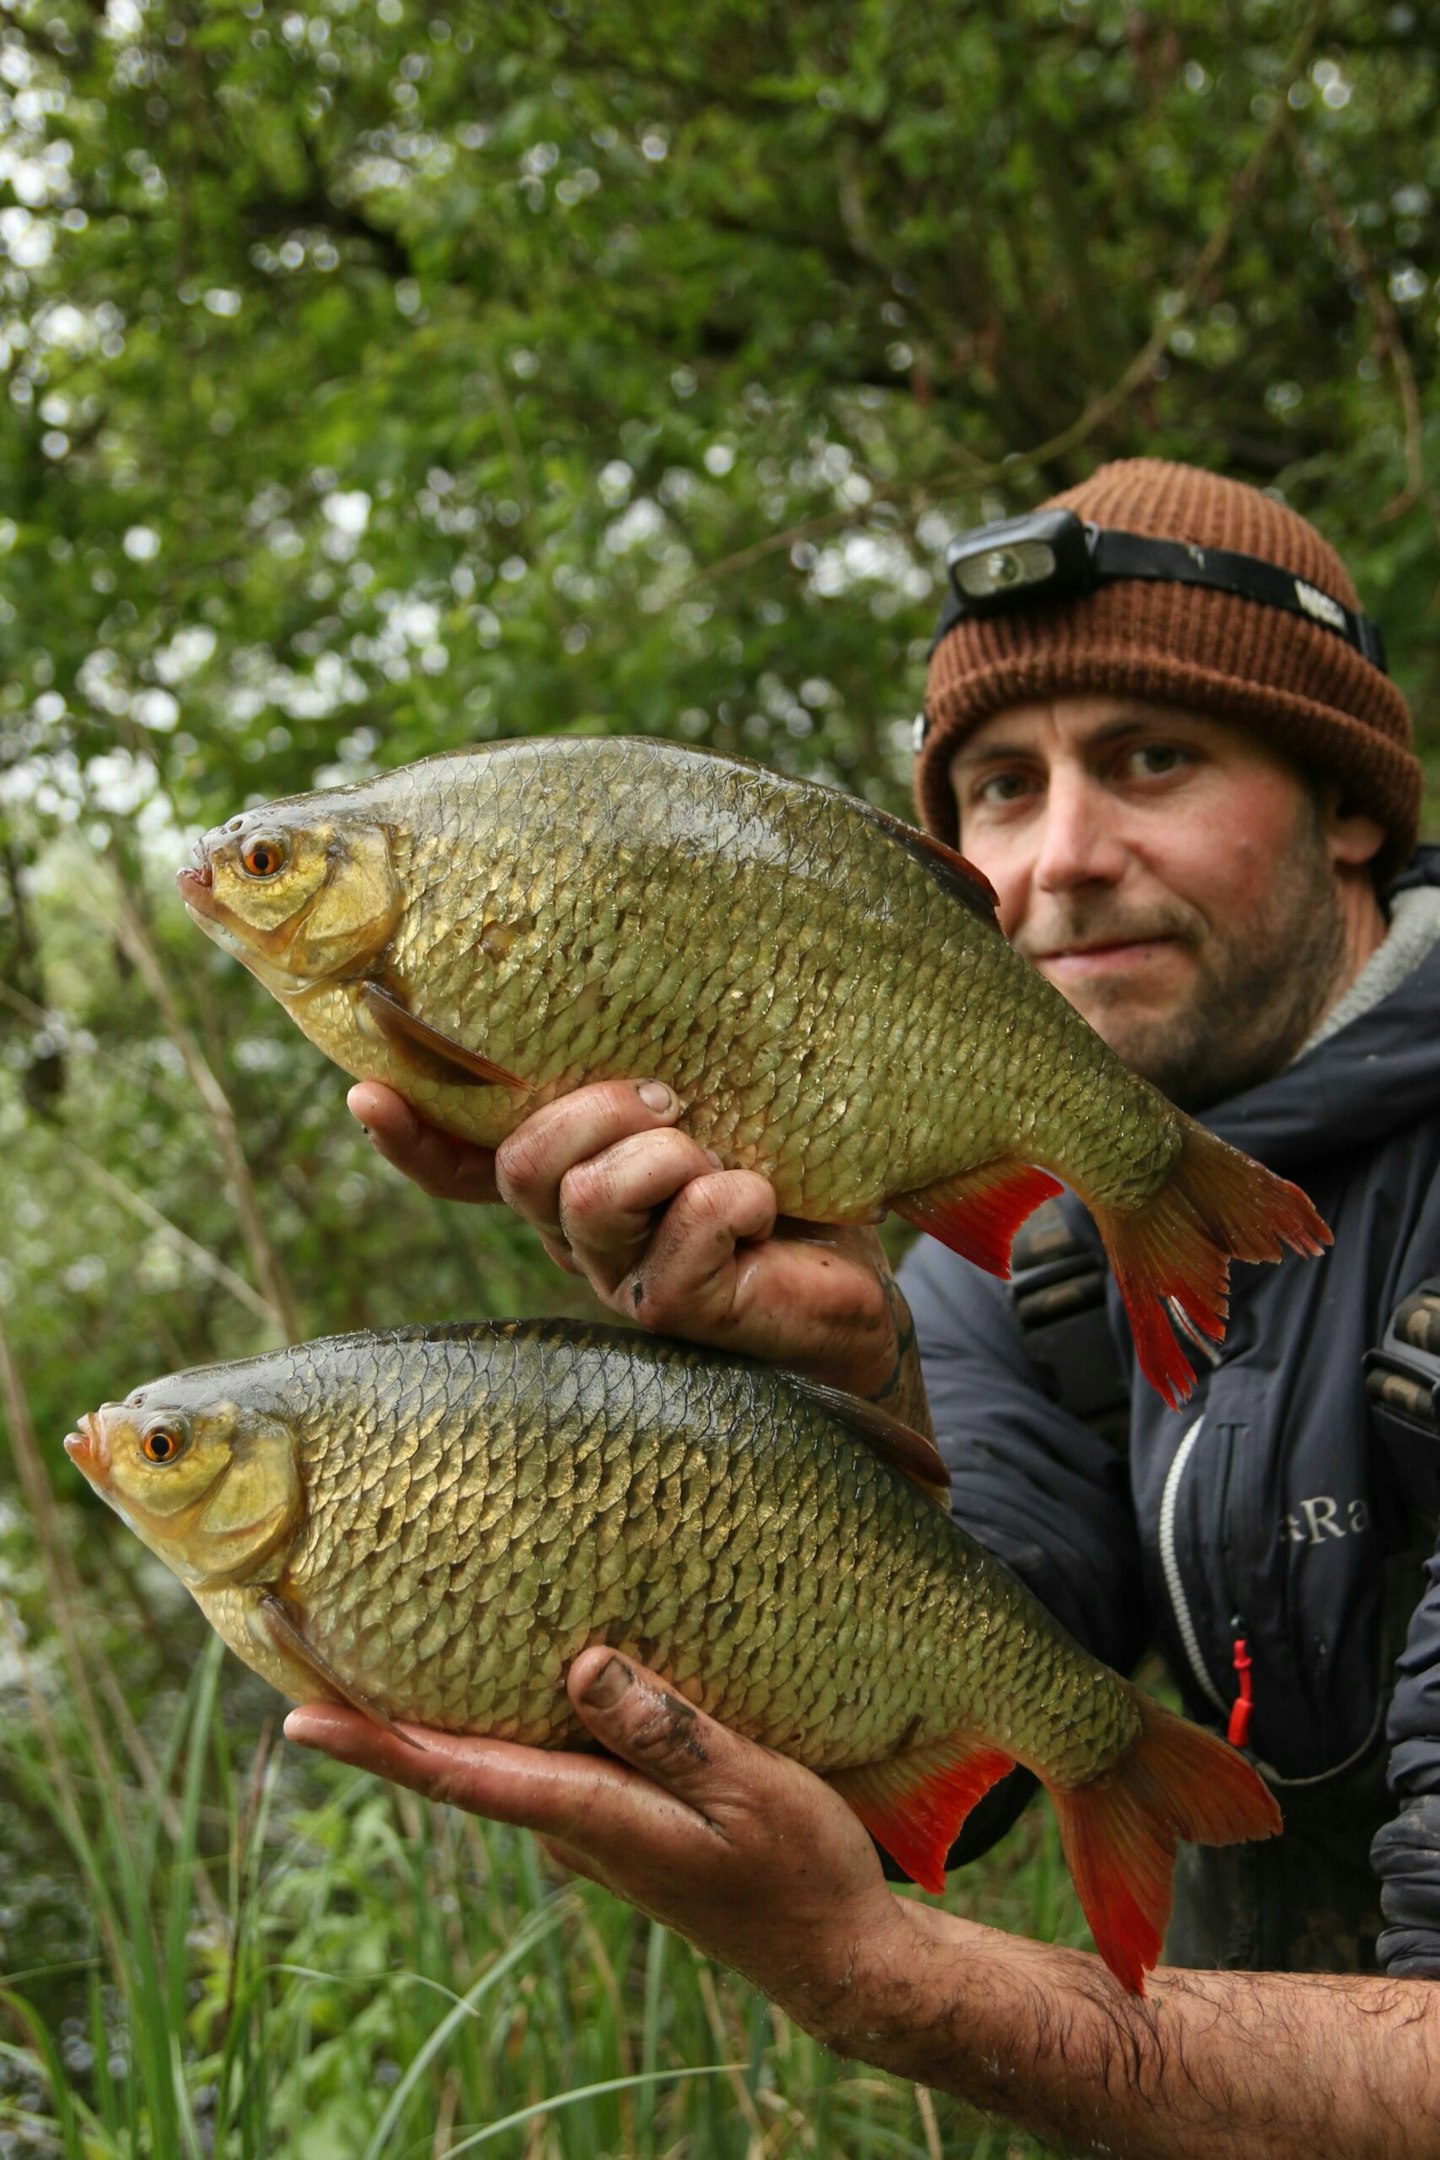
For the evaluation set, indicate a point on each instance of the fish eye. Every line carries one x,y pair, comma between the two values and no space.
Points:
263,856
162,1444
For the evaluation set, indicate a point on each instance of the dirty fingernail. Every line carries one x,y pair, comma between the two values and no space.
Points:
608,1685
656,1096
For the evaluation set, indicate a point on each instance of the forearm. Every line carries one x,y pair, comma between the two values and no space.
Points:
902,1392
1207,2066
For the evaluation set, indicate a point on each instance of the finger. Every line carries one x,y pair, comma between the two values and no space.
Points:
685,1280
571,1858
442,1166
607,1203
643,1721
813,1299
755,1804
531,1164
572,1797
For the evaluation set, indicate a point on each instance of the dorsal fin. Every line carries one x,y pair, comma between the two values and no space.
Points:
950,870
896,1443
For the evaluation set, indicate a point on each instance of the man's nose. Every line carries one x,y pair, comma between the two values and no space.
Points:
1080,843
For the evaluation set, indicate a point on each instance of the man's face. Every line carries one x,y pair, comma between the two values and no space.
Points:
1172,876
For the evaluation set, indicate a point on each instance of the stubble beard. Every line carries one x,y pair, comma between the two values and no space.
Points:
1259,990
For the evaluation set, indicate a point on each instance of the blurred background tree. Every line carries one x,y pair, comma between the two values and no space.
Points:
381,377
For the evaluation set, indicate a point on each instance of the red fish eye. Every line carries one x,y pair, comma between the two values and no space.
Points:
263,857
161,1445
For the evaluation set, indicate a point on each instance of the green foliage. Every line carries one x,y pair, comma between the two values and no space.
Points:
286,1959
378,378
381,378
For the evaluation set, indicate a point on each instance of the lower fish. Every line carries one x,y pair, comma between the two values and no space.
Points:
431,1524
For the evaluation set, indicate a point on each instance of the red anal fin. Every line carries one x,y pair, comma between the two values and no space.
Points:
433,1051
977,1213
1121,1831
905,1449
288,1635
914,1804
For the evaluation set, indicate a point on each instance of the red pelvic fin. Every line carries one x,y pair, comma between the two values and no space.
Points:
914,1804
1120,1833
1216,1206
977,1213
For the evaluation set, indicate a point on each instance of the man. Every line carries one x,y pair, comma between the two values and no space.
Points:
1192,801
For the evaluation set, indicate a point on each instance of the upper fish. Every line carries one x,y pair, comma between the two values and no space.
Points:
826,990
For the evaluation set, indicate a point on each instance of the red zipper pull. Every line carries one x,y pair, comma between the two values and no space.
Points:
1237,1732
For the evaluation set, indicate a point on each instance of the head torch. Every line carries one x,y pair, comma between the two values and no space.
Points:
1052,555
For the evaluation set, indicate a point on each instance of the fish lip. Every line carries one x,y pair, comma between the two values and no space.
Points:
87,1446
197,887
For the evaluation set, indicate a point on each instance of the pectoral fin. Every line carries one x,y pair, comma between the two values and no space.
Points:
288,1635
427,1047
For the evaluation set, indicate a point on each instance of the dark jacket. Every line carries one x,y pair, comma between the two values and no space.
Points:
1263,1507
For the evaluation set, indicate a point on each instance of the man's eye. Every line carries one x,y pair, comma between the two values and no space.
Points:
1151,761
1002,787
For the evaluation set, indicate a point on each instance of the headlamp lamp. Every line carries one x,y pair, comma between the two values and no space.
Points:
1054,556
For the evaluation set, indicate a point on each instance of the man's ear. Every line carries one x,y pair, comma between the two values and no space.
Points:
1352,836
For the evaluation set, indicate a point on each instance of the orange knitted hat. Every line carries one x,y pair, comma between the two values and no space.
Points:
1291,679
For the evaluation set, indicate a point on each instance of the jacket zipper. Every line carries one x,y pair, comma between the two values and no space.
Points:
1170,1565
1190,1639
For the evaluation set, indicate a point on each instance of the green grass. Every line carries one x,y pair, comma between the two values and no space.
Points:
279,1959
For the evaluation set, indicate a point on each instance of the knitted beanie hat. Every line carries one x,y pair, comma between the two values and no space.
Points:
1290,679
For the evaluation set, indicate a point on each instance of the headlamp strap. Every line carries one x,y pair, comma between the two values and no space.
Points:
1102,557
1117,555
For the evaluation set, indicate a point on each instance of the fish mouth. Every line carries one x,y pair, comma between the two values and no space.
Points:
88,1447
197,889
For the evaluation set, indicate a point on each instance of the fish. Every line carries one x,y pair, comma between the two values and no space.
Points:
431,1523
825,989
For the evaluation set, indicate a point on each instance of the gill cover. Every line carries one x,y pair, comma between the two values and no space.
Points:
329,904
224,1506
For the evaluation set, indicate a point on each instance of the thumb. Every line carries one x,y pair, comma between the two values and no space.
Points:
633,1713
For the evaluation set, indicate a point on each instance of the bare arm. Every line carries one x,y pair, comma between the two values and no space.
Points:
664,1236
764,1868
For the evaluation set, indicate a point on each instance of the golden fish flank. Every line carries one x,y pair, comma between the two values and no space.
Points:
432,1525
825,989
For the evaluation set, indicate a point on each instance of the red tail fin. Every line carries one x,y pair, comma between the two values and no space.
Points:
1216,1206
1120,1832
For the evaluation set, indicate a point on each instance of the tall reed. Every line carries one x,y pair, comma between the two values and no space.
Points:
293,1962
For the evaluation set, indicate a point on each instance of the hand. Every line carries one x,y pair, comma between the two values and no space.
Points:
667,1237
754,1859
443,1167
